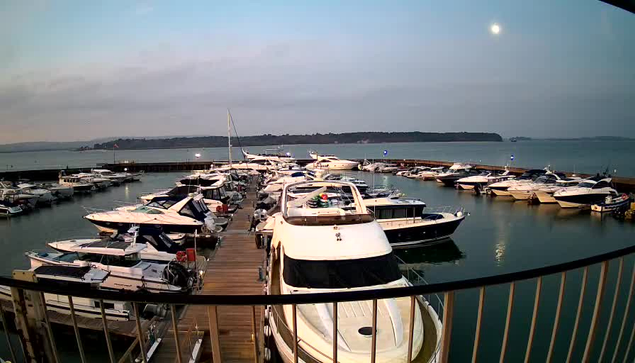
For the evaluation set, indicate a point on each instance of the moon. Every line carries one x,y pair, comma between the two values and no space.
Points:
495,29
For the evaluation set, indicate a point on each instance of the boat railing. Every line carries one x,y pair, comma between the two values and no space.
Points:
444,209
606,333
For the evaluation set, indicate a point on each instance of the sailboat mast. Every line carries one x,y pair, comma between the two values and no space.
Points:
229,137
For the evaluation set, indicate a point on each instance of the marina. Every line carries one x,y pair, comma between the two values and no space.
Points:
484,244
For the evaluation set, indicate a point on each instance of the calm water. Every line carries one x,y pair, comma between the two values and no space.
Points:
579,156
499,236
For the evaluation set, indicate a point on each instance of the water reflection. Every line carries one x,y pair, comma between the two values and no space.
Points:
442,252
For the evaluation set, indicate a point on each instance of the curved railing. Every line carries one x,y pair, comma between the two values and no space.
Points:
448,289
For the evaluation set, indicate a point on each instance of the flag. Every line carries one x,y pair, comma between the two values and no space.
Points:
385,152
512,157
115,146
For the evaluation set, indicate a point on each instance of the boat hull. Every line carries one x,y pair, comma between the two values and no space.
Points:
579,201
421,233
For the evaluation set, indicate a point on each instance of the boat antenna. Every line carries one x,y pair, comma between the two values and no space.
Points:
229,138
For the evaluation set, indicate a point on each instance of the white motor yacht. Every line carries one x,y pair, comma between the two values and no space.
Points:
545,193
482,180
501,188
406,223
324,248
274,155
79,185
429,173
58,191
8,209
185,216
331,162
44,196
586,193
78,278
159,247
115,178
526,191
99,182
126,270
15,196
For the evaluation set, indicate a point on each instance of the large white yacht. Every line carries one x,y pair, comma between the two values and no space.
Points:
331,162
44,196
586,193
322,247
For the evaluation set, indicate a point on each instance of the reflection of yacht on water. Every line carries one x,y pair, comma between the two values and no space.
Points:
320,247
417,257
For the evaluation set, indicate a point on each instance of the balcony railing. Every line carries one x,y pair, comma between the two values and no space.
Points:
606,347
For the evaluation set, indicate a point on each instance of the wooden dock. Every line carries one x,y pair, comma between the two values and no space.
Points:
233,270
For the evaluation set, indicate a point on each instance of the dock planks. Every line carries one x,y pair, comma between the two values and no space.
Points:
233,270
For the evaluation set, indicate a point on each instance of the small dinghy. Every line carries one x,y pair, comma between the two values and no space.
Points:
612,203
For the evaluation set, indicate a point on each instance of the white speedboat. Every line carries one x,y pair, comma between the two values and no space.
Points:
430,173
482,180
320,248
44,196
99,182
185,216
406,223
501,188
331,162
79,278
545,193
275,155
126,270
159,247
8,209
58,191
526,191
13,195
586,193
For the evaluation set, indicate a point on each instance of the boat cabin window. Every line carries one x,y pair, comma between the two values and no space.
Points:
601,184
341,274
120,261
390,212
586,185
144,209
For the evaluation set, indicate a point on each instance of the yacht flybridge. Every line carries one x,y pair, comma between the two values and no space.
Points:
322,246
331,162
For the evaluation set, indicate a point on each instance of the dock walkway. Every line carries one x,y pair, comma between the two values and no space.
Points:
233,270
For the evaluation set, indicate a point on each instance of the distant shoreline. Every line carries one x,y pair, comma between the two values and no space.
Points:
321,139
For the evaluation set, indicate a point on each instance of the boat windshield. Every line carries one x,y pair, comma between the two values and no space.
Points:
586,185
341,274
144,209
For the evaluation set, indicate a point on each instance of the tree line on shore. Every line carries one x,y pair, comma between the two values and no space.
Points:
317,138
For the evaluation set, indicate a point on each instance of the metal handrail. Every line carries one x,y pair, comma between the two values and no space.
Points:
313,298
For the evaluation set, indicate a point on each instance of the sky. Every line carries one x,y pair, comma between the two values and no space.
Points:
80,70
